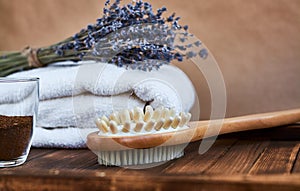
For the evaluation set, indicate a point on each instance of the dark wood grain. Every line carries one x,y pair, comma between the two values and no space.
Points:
254,160
148,182
296,167
195,163
239,159
38,153
278,158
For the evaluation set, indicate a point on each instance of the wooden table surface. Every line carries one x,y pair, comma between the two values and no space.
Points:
254,160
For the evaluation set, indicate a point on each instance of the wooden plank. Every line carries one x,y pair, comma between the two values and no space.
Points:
296,167
61,162
144,182
278,158
194,163
37,153
65,159
223,167
68,159
239,159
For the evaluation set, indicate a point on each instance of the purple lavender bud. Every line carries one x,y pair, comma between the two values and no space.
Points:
191,54
59,52
90,27
198,43
189,46
170,19
203,53
76,36
182,40
182,48
105,11
179,57
107,2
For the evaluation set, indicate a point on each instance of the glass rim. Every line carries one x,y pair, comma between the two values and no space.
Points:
15,80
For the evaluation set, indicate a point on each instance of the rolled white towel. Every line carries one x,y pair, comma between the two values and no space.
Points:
72,96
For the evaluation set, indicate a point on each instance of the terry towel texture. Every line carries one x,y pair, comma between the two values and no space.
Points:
72,96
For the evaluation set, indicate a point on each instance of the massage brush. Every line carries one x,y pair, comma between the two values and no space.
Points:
137,137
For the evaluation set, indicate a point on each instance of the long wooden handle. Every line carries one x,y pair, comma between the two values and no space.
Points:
244,123
198,130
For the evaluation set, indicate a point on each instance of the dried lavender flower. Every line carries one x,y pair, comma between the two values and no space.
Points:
131,36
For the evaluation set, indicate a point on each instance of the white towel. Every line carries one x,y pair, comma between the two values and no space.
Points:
72,96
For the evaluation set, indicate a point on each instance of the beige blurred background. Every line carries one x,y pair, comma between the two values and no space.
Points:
256,42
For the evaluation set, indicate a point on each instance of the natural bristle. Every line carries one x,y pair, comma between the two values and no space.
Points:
114,117
159,124
167,123
113,127
138,127
136,121
175,122
126,127
140,156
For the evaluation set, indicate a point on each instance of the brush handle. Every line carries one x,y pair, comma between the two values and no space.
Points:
198,130
244,123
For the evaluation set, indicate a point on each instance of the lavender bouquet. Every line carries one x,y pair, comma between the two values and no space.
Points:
130,36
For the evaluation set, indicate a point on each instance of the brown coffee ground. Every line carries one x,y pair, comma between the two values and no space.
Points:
15,134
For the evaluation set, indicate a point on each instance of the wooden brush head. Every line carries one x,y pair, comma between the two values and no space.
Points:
138,129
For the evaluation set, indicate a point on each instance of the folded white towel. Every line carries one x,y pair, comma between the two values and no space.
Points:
72,96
